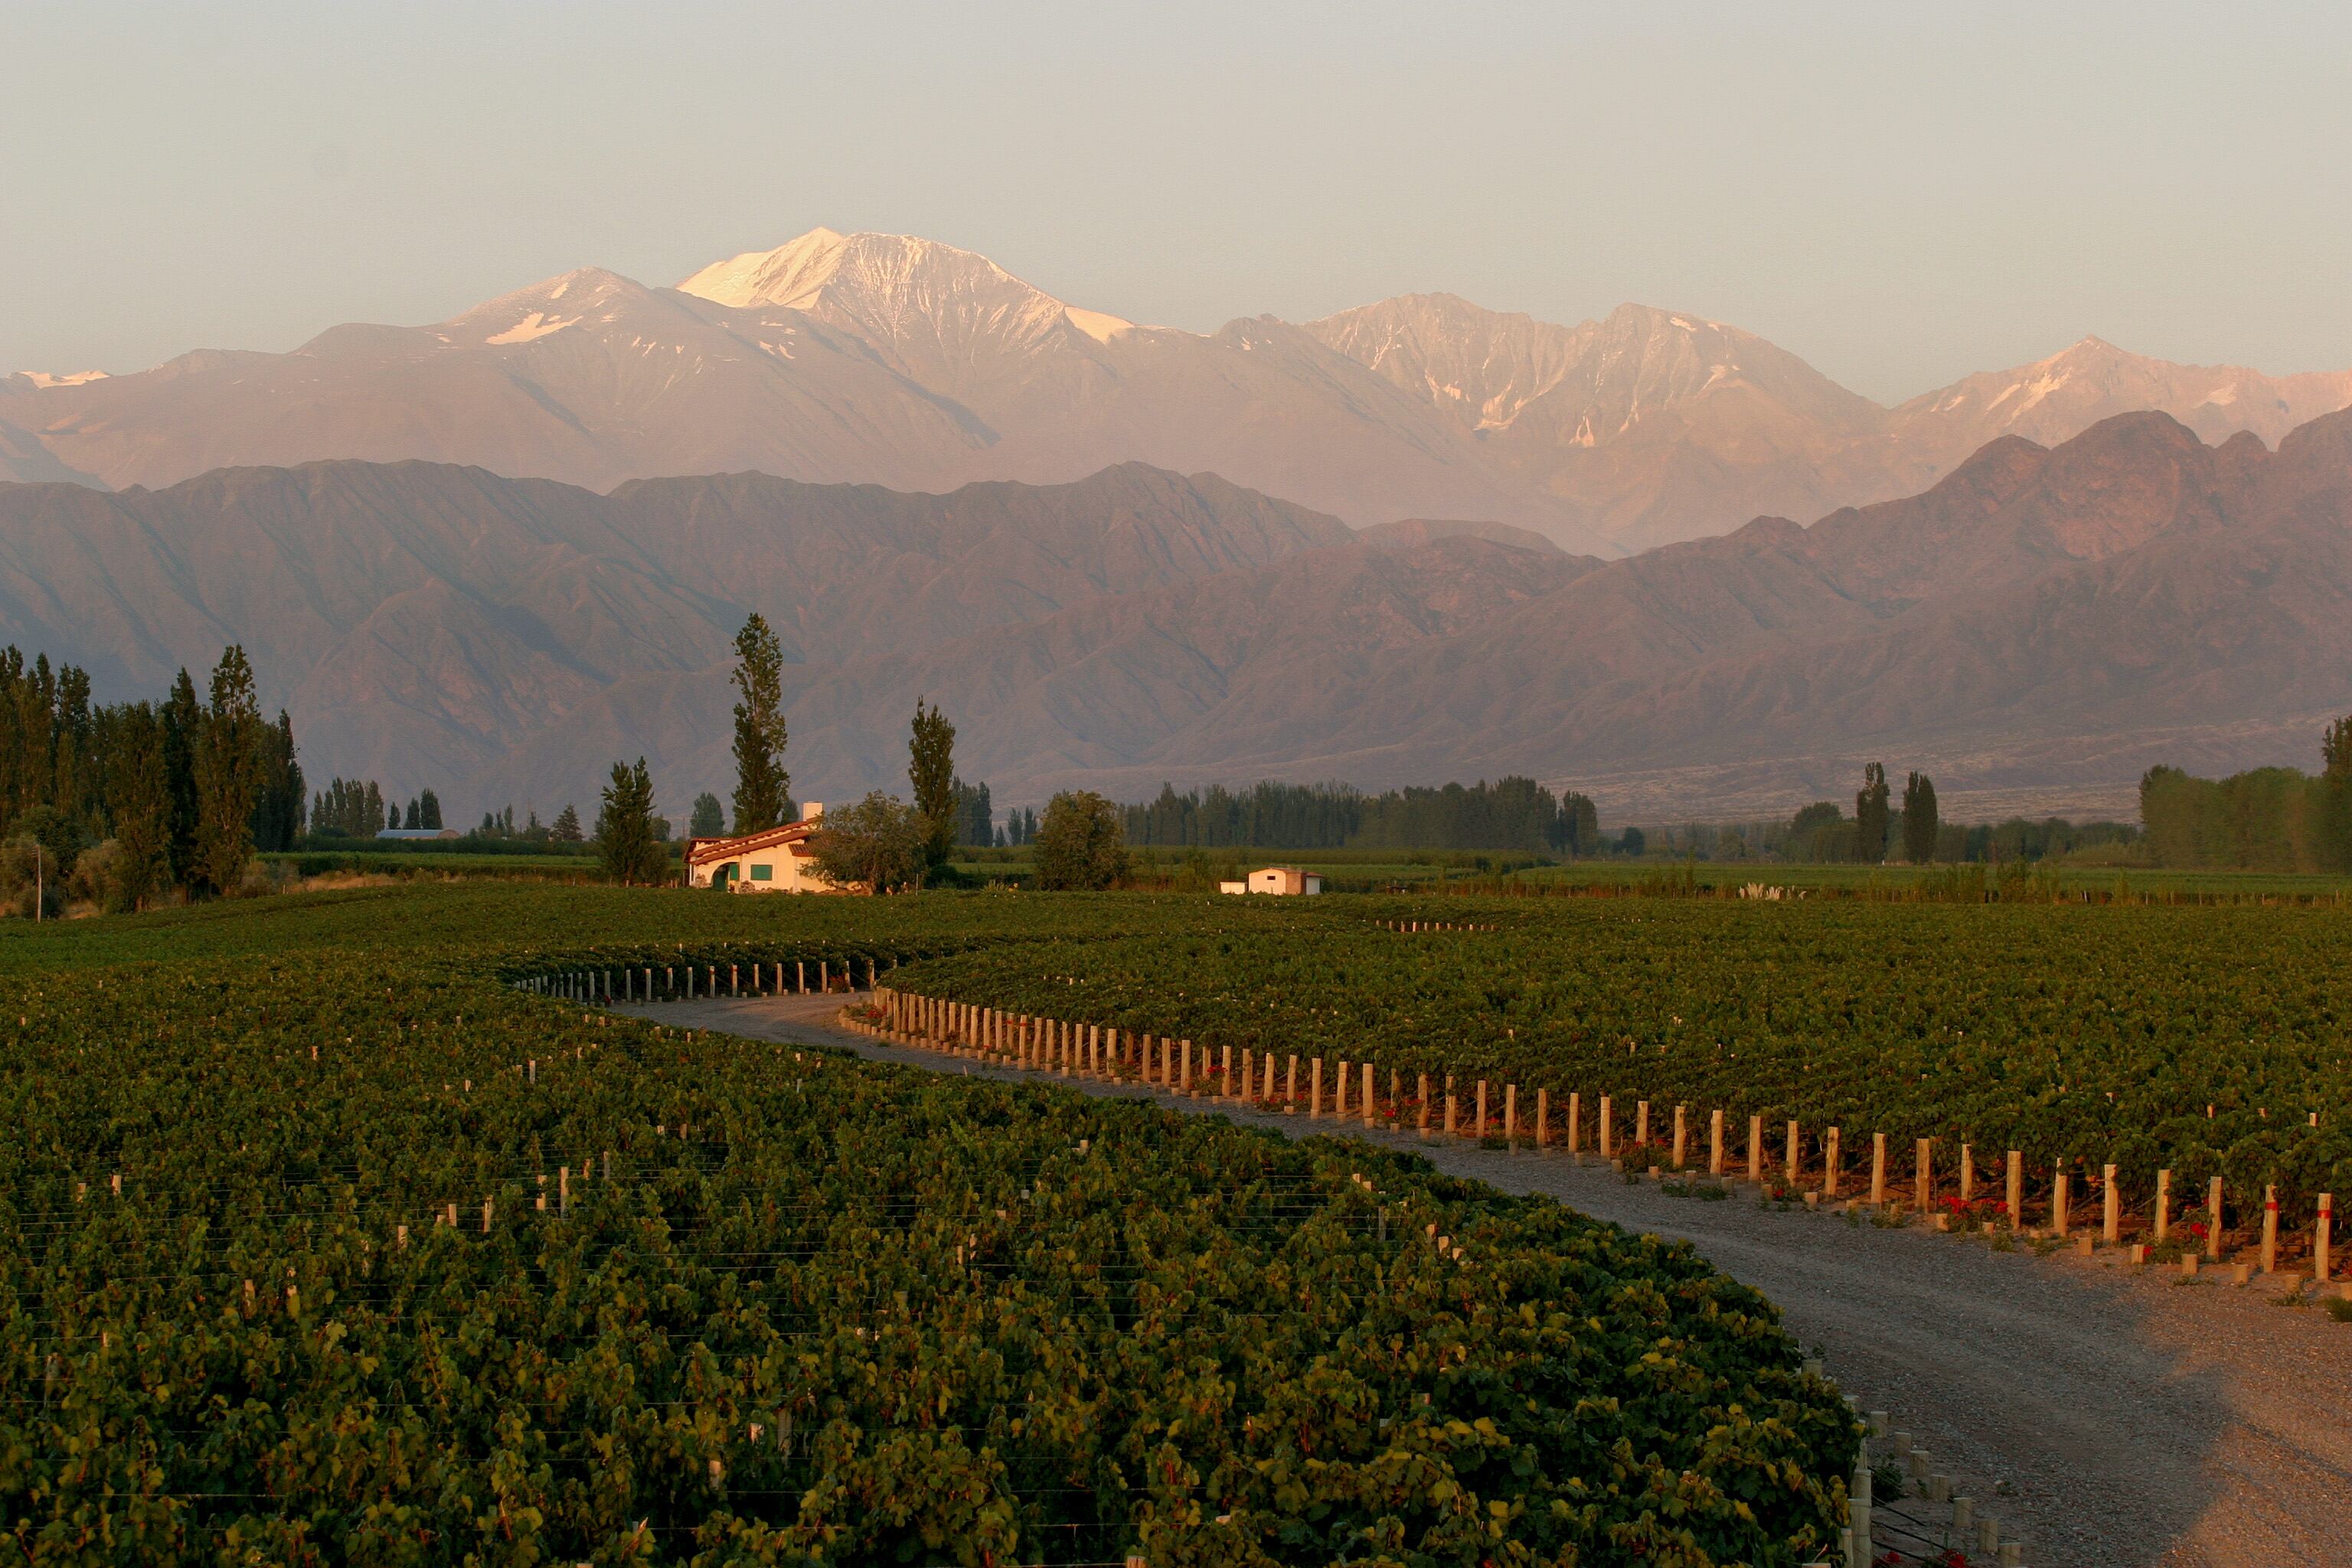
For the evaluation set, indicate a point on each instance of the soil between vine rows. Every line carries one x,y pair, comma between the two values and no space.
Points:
2111,1418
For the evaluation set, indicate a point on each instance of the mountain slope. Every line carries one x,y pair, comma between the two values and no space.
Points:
2043,619
422,621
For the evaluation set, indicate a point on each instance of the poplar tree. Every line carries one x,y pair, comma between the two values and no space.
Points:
1870,814
1920,823
227,774
930,769
184,716
762,787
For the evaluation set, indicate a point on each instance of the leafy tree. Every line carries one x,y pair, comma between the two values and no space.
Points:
277,784
2335,794
1081,845
139,801
762,787
1633,841
567,826
183,718
428,811
931,768
975,817
1919,820
626,831
410,820
709,819
1870,813
228,773
881,844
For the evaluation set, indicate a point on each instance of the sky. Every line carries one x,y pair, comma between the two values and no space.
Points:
1900,195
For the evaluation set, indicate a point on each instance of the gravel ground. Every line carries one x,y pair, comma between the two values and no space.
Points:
2106,1415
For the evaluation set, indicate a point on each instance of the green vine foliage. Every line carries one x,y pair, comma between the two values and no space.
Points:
2203,1039
781,1306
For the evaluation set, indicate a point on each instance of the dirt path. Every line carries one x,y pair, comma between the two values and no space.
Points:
2109,1416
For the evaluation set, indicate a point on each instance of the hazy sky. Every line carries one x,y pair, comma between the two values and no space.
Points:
1900,194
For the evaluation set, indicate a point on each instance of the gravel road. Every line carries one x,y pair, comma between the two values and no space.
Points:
2106,1415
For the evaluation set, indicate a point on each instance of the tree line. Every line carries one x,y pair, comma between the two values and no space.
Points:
129,803
2265,819
1512,813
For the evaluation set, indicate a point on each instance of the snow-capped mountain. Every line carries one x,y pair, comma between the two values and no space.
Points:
2051,400
898,361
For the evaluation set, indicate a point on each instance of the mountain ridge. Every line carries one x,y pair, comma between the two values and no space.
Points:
2040,624
912,363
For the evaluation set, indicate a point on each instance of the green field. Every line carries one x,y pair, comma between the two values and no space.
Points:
707,1301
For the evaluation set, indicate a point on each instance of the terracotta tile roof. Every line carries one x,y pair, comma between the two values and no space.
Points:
703,851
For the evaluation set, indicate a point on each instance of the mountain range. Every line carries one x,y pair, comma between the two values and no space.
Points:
900,362
2035,628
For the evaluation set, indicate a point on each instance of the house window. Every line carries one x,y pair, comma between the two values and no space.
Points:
763,872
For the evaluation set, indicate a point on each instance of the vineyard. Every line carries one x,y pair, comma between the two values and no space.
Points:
2202,1041
329,1241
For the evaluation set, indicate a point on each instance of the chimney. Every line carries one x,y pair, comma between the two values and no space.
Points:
812,810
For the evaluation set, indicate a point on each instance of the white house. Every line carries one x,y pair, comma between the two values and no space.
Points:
777,860
1276,879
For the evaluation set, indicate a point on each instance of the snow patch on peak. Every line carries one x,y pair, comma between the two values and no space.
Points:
45,379
1096,324
535,325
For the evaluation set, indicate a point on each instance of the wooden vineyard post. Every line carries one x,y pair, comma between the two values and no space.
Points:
1756,1149
1226,1072
1714,1142
1424,1105
2323,1238
1924,1180
2111,1215
2058,1206
1543,1118
563,1192
1371,1107
1187,1084
1608,1144
1242,1090
1830,1162
2163,1204
1290,1084
2016,1193
799,975
1792,1151
1315,1090
1482,1109
1682,1133
1967,1174
1511,1114
1268,1095
2213,1221
1641,1123
1877,1169
1451,1108
2270,1229
1575,1121
1339,1091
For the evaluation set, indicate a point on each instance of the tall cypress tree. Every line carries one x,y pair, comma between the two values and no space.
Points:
762,787
930,769
1919,819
